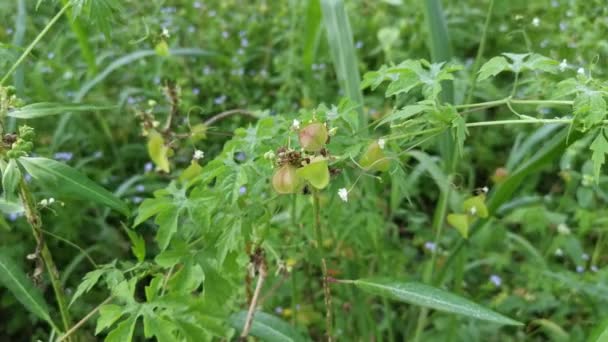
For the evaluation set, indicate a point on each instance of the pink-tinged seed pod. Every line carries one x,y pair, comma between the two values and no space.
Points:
313,137
285,180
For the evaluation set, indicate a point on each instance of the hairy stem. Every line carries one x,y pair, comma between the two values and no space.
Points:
228,113
251,312
33,218
34,43
84,320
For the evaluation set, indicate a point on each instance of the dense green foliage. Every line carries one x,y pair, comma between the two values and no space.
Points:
186,170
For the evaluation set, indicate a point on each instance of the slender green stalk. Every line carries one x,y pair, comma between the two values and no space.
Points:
521,122
319,238
33,218
480,50
541,102
514,101
515,84
34,43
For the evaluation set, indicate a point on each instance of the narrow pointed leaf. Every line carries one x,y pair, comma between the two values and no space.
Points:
342,48
41,109
17,282
431,297
266,327
64,179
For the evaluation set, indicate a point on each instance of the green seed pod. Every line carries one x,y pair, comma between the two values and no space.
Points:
26,133
285,180
313,137
374,158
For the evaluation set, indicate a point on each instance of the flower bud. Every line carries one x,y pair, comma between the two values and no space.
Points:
374,158
285,180
313,137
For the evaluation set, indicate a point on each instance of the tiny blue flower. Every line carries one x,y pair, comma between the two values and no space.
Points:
278,310
65,156
131,100
580,269
430,246
207,70
98,154
220,100
191,29
242,33
244,42
225,34
28,177
496,280
212,13
197,4
13,217
148,167
359,44
240,156
136,199
196,91
51,55
242,190
140,188
156,80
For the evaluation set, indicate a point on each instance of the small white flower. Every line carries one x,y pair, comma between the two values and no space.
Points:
296,124
559,252
165,32
536,21
381,143
473,210
563,65
580,71
430,246
585,256
580,269
51,200
44,202
343,193
198,154
485,189
594,268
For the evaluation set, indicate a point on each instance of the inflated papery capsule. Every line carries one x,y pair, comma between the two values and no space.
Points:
313,137
285,180
374,158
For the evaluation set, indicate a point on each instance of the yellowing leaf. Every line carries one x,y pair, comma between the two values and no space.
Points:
159,153
191,171
461,223
162,49
374,158
476,206
316,173
198,132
